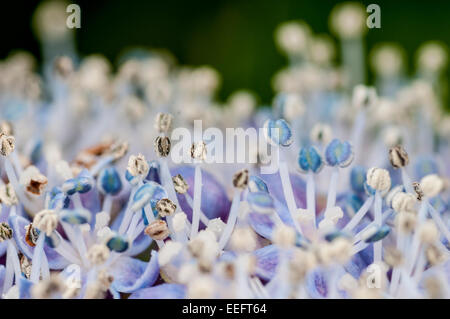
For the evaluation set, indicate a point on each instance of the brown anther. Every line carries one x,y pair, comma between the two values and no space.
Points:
31,235
198,150
157,230
240,179
6,232
89,156
180,184
25,265
37,185
418,190
162,146
398,156
118,150
7,144
165,207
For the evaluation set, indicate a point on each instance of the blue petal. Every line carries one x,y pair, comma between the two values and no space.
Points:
132,274
2,276
273,182
24,288
164,291
18,223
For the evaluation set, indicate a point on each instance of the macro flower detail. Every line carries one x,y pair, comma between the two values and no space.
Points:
338,153
136,178
310,160
278,132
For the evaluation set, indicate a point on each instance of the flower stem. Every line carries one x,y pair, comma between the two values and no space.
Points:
197,201
232,217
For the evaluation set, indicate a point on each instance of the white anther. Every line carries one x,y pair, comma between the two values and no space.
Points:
46,221
402,202
284,236
217,226
428,232
169,251
179,221
243,239
431,185
379,179
98,254
138,165
334,214
101,220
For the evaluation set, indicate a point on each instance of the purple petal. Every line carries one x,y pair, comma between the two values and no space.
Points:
261,224
316,284
141,242
266,261
131,274
2,276
164,291
18,223
273,182
24,288
215,202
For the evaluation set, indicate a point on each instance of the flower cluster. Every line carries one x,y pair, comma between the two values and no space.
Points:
93,207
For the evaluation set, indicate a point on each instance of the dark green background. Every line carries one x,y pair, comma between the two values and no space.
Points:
235,37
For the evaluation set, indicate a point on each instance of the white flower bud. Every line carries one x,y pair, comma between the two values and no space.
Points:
379,179
431,185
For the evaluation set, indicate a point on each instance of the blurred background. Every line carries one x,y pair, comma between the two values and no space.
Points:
235,37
